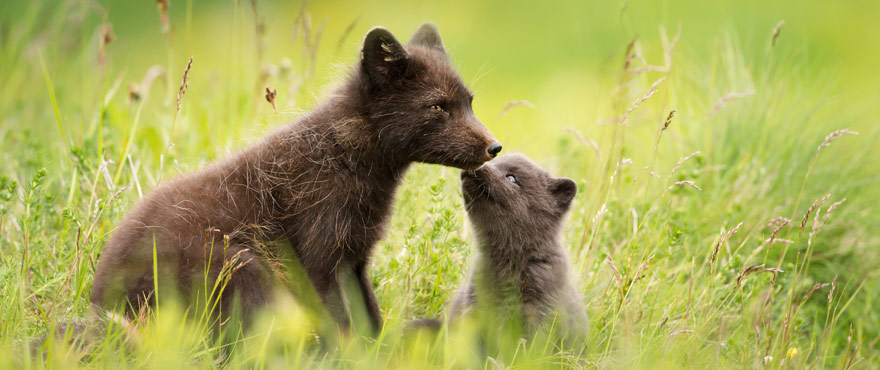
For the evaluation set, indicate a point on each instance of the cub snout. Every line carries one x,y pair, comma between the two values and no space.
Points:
475,183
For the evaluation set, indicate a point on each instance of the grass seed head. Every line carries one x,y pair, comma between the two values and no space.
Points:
640,272
682,160
776,31
585,141
629,55
778,223
753,269
163,14
831,291
106,37
651,91
680,332
684,183
834,136
515,103
270,97
812,290
668,119
616,272
816,204
134,92
184,83
722,240
748,271
728,97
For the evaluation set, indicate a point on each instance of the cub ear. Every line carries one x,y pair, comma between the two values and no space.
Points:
429,36
382,56
563,190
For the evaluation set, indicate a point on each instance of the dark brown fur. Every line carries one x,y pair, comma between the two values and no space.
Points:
325,183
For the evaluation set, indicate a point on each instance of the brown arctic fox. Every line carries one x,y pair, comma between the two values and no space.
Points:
324,183
521,271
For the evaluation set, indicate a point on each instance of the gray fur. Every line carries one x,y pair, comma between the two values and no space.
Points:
521,270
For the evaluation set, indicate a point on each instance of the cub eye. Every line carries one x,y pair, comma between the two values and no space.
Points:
438,108
512,179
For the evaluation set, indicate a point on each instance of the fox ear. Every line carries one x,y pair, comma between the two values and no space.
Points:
563,190
428,35
382,56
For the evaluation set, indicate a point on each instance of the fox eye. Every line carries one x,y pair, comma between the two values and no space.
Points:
512,179
438,108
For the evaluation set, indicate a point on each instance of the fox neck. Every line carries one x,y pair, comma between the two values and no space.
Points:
510,253
356,139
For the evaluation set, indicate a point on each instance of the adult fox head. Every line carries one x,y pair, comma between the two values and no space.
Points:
416,104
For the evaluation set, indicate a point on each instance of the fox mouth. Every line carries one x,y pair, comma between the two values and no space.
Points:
471,165
474,161
474,186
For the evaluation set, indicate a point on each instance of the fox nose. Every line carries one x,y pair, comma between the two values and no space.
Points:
494,149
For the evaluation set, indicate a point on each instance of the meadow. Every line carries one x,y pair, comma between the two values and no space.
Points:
725,155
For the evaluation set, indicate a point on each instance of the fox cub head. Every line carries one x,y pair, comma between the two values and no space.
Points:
416,104
513,195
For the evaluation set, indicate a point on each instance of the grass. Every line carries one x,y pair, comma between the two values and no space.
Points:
730,257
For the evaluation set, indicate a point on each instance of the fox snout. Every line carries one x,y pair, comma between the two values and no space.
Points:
494,149
490,146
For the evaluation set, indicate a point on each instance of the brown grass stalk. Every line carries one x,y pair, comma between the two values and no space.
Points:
776,31
668,120
346,33
270,97
780,222
818,203
681,161
724,238
684,183
616,272
106,36
728,97
754,269
585,141
163,15
513,104
834,136
651,91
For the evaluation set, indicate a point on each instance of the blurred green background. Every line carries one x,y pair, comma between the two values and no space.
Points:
563,56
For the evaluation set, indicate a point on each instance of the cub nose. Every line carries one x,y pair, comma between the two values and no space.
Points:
494,149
